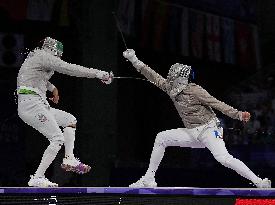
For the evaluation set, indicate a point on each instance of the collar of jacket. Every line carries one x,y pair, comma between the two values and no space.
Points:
177,90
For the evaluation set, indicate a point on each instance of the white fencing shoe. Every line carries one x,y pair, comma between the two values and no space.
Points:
264,183
41,182
72,164
144,182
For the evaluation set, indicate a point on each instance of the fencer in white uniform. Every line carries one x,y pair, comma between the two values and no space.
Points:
202,128
34,109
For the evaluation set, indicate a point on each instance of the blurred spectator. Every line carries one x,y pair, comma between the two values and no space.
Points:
253,126
256,95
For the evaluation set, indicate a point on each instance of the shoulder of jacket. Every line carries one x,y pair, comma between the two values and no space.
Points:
193,86
39,54
196,86
196,89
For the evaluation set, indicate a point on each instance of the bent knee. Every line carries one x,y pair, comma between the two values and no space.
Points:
56,143
71,122
160,139
58,139
73,125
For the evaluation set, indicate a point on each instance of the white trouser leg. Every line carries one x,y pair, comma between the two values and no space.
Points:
212,139
68,122
65,119
33,111
48,157
176,137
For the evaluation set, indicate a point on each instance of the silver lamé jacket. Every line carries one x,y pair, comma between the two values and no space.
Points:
193,103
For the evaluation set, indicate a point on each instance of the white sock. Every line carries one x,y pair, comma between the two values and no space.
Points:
69,138
156,157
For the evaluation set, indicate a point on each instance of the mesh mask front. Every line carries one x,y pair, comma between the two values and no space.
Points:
178,71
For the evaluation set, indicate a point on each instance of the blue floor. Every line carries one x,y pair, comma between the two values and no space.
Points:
190,191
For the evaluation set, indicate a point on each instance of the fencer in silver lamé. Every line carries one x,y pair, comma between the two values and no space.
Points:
178,70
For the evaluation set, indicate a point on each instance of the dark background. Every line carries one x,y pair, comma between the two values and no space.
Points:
117,123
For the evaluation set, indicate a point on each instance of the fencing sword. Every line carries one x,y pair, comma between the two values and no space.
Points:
112,77
119,28
128,77
124,42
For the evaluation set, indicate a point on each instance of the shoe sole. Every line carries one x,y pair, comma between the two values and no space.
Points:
143,186
268,185
69,168
32,185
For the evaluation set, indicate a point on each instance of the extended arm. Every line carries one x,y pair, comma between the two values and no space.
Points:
51,62
145,70
206,99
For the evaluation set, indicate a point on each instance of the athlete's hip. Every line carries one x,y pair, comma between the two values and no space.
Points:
31,103
199,131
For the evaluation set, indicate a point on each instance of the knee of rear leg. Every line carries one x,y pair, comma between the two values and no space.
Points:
225,159
56,142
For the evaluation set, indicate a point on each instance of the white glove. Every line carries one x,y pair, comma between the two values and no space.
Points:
102,75
109,80
129,54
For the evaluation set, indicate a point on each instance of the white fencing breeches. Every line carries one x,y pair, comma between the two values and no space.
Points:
36,112
209,136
